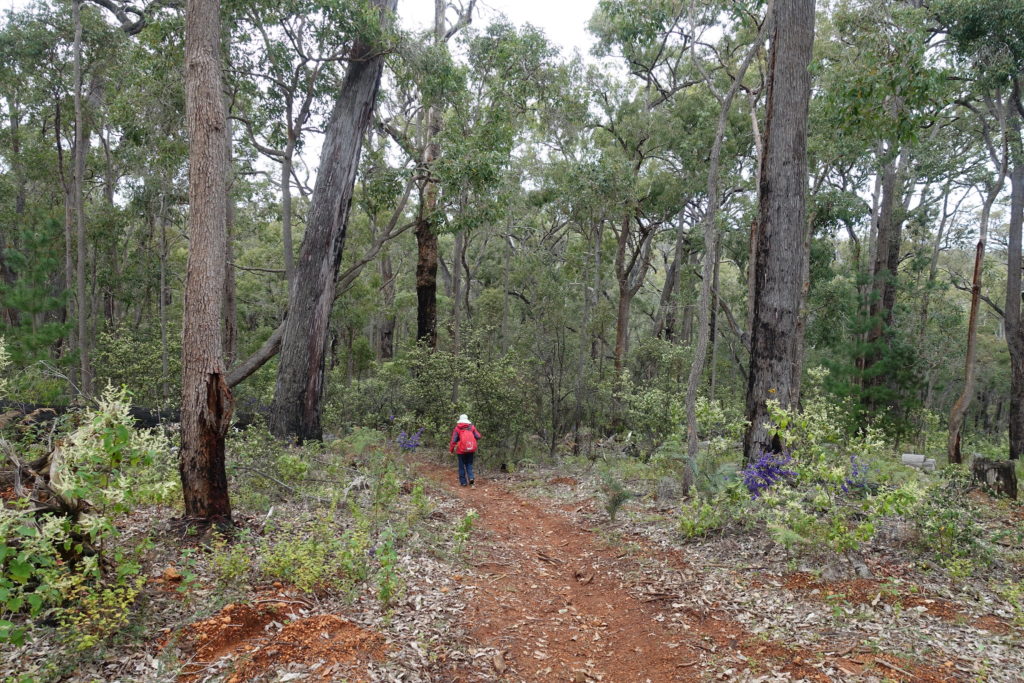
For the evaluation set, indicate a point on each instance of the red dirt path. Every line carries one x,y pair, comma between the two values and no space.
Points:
553,600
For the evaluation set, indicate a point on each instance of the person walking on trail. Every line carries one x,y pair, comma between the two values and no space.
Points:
463,444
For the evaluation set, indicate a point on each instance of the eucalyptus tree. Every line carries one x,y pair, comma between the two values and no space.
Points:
989,38
507,74
775,344
638,118
206,401
298,390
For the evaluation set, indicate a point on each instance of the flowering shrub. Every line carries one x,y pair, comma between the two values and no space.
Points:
858,477
769,468
408,441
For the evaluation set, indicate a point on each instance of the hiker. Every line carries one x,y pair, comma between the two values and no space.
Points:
463,444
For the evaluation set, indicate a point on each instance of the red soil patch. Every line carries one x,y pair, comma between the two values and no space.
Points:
261,640
867,591
553,602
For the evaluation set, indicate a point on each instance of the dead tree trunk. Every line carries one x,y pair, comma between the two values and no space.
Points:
299,388
206,401
781,222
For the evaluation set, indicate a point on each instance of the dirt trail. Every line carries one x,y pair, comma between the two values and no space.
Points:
562,605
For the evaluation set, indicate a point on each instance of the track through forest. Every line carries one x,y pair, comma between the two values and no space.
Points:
563,602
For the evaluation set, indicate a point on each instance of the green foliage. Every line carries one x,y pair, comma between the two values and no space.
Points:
317,558
615,496
463,531
231,560
93,614
947,519
34,265
416,391
133,357
57,561
831,503
701,517
387,577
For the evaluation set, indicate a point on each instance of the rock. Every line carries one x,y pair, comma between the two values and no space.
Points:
913,460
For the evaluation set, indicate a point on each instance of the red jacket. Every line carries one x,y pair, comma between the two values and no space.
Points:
455,434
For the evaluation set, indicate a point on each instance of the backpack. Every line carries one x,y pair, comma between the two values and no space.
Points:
467,440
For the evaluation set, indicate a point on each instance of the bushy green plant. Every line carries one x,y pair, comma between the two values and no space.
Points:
231,560
946,519
387,577
317,558
615,495
93,613
58,560
827,500
463,531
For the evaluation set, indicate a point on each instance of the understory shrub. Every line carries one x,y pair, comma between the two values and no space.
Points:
64,561
818,493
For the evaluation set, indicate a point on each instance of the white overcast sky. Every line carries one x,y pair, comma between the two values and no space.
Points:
563,21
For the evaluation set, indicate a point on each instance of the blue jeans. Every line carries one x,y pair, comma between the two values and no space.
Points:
466,468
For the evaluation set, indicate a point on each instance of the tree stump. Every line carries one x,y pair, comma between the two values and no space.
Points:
997,475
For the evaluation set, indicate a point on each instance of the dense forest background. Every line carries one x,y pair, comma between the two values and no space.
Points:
529,230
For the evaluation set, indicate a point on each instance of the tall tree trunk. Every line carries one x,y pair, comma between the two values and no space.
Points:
206,401
298,391
711,237
165,360
230,301
457,255
963,402
1014,331
426,232
81,146
885,267
664,321
625,298
933,267
781,222
713,325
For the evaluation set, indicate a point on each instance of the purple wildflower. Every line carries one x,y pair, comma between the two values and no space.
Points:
769,468
409,441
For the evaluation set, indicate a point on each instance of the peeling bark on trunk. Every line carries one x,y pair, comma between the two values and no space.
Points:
206,401
781,221
298,391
